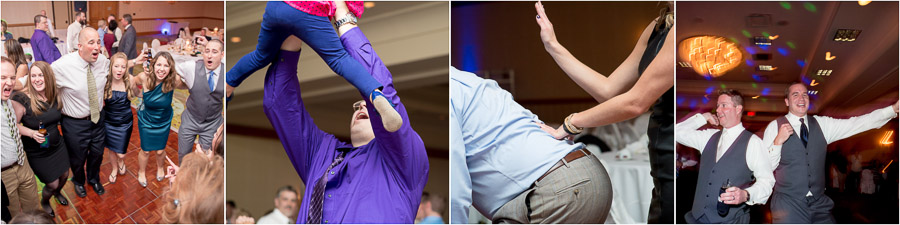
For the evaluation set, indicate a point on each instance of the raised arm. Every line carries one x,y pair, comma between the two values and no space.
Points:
599,86
406,149
837,129
689,135
656,80
283,105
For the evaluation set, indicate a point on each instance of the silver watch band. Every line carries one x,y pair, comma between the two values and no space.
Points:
349,18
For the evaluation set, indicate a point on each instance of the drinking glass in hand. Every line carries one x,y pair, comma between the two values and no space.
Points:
721,206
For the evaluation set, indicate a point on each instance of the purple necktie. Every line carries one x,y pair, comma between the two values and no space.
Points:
318,196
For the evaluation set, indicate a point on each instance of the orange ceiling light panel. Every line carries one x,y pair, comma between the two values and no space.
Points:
710,56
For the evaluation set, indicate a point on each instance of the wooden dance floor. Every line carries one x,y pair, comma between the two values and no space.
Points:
125,201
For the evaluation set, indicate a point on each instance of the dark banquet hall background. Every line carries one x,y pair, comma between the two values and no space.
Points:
845,52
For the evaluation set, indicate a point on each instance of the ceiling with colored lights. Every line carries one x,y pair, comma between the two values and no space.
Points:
847,54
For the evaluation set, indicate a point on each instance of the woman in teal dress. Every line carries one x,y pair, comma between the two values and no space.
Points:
156,85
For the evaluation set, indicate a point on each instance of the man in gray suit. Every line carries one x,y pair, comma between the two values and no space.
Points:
203,109
128,44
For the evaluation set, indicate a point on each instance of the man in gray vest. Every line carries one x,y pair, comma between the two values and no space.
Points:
797,153
203,109
730,158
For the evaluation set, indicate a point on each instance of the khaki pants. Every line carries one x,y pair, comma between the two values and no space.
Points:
578,192
21,188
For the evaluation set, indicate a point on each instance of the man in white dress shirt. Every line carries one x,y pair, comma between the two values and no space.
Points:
285,207
729,156
18,178
81,77
73,31
203,108
798,146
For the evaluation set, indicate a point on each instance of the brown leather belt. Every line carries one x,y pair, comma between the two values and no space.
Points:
572,156
8,167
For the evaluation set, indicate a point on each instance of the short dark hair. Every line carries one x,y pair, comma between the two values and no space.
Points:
787,90
37,19
437,202
79,13
220,43
127,17
736,96
113,25
285,188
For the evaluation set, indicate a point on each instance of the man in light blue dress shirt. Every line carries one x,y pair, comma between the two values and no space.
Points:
511,170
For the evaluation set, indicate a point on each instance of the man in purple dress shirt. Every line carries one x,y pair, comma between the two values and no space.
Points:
41,45
378,177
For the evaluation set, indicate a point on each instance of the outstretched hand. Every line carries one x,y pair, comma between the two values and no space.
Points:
548,35
558,133
896,105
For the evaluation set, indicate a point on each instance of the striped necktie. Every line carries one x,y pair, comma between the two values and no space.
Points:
14,133
92,94
318,196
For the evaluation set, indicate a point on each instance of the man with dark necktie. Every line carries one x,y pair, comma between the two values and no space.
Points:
798,147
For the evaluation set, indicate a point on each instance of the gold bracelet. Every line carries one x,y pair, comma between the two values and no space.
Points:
569,127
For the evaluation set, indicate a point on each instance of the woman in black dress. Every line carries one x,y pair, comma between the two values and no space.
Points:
119,118
37,107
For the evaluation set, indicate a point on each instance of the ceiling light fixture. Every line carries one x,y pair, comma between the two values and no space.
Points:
829,57
824,73
767,68
846,35
710,56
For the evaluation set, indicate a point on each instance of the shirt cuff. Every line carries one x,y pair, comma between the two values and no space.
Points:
754,192
888,112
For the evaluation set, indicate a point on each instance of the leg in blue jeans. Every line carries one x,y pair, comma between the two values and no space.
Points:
281,20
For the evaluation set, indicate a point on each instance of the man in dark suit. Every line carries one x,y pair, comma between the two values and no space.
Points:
128,44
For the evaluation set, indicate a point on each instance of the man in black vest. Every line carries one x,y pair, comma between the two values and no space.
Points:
730,159
797,153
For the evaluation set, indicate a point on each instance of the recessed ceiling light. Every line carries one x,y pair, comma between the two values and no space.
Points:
235,39
684,64
767,68
762,41
847,35
824,73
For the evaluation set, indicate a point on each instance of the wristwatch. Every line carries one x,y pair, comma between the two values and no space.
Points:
349,18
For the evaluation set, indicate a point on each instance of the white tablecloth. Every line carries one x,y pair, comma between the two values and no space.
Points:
61,46
632,187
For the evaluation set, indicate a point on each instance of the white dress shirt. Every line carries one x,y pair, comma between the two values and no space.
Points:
275,217
188,69
72,36
118,34
71,78
50,27
833,129
757,159
10,148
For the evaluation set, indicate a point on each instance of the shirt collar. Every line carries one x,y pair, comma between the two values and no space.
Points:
735,129
791,117
280,215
